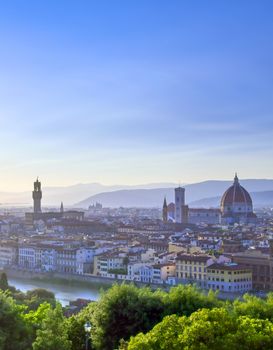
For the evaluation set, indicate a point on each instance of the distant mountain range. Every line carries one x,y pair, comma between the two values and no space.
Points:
69,194
260,199
203,194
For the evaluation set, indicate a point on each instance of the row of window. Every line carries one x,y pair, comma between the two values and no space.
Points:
190,262
243,287
186,275
223,280
185,268
229,272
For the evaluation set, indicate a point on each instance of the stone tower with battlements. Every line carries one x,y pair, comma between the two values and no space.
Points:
37,196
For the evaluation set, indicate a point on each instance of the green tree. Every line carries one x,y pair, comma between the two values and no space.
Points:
75,326
34,319
34,298
185,299
14,331
206,330
122,311
4,281
52,334
254,307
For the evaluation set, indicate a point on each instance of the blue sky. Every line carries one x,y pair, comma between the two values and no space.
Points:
135,91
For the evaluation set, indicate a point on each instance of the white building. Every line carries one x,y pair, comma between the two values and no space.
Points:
26,257
84,260
202,215
107,262
8,254
46,258
66,260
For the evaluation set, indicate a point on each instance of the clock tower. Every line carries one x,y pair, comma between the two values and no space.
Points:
37,196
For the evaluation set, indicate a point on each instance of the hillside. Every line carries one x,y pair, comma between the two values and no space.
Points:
205,193
260,199
69,194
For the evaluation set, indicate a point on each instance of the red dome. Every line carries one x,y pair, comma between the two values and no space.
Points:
236,194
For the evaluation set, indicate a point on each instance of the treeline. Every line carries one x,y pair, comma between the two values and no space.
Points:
132,318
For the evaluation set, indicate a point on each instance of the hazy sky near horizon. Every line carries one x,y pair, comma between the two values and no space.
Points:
137,91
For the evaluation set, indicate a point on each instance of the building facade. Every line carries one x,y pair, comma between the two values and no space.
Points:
8,254
193,268
229,277
203,215
261,265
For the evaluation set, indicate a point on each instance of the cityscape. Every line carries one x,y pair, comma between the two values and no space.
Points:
228,249
136,177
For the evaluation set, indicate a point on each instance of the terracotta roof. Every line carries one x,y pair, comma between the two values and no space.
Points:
193,257
236,194
229,267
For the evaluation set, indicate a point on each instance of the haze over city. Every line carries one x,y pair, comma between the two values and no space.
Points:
135,93
136,178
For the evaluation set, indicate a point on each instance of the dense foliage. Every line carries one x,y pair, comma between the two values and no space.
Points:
207,330
14,331
132,318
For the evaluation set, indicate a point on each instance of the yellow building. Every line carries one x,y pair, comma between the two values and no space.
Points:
193,268
229,277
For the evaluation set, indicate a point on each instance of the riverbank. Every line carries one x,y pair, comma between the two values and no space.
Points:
83,283
72,279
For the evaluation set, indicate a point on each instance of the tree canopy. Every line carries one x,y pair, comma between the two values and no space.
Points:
133,318
207,330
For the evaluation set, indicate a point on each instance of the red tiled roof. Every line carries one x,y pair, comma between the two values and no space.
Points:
229,267
236,194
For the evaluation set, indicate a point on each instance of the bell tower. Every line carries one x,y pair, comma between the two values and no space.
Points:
165,211
37,196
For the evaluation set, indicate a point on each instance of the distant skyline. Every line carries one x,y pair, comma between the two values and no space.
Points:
132,92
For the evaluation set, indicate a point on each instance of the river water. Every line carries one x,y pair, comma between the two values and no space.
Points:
64,291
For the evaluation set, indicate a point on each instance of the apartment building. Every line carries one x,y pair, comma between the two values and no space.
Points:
229,277
193,268
8,254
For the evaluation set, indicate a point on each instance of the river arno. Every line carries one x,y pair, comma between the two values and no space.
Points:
64,291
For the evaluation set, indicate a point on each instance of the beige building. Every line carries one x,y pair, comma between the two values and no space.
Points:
193,268
229,277
161,272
